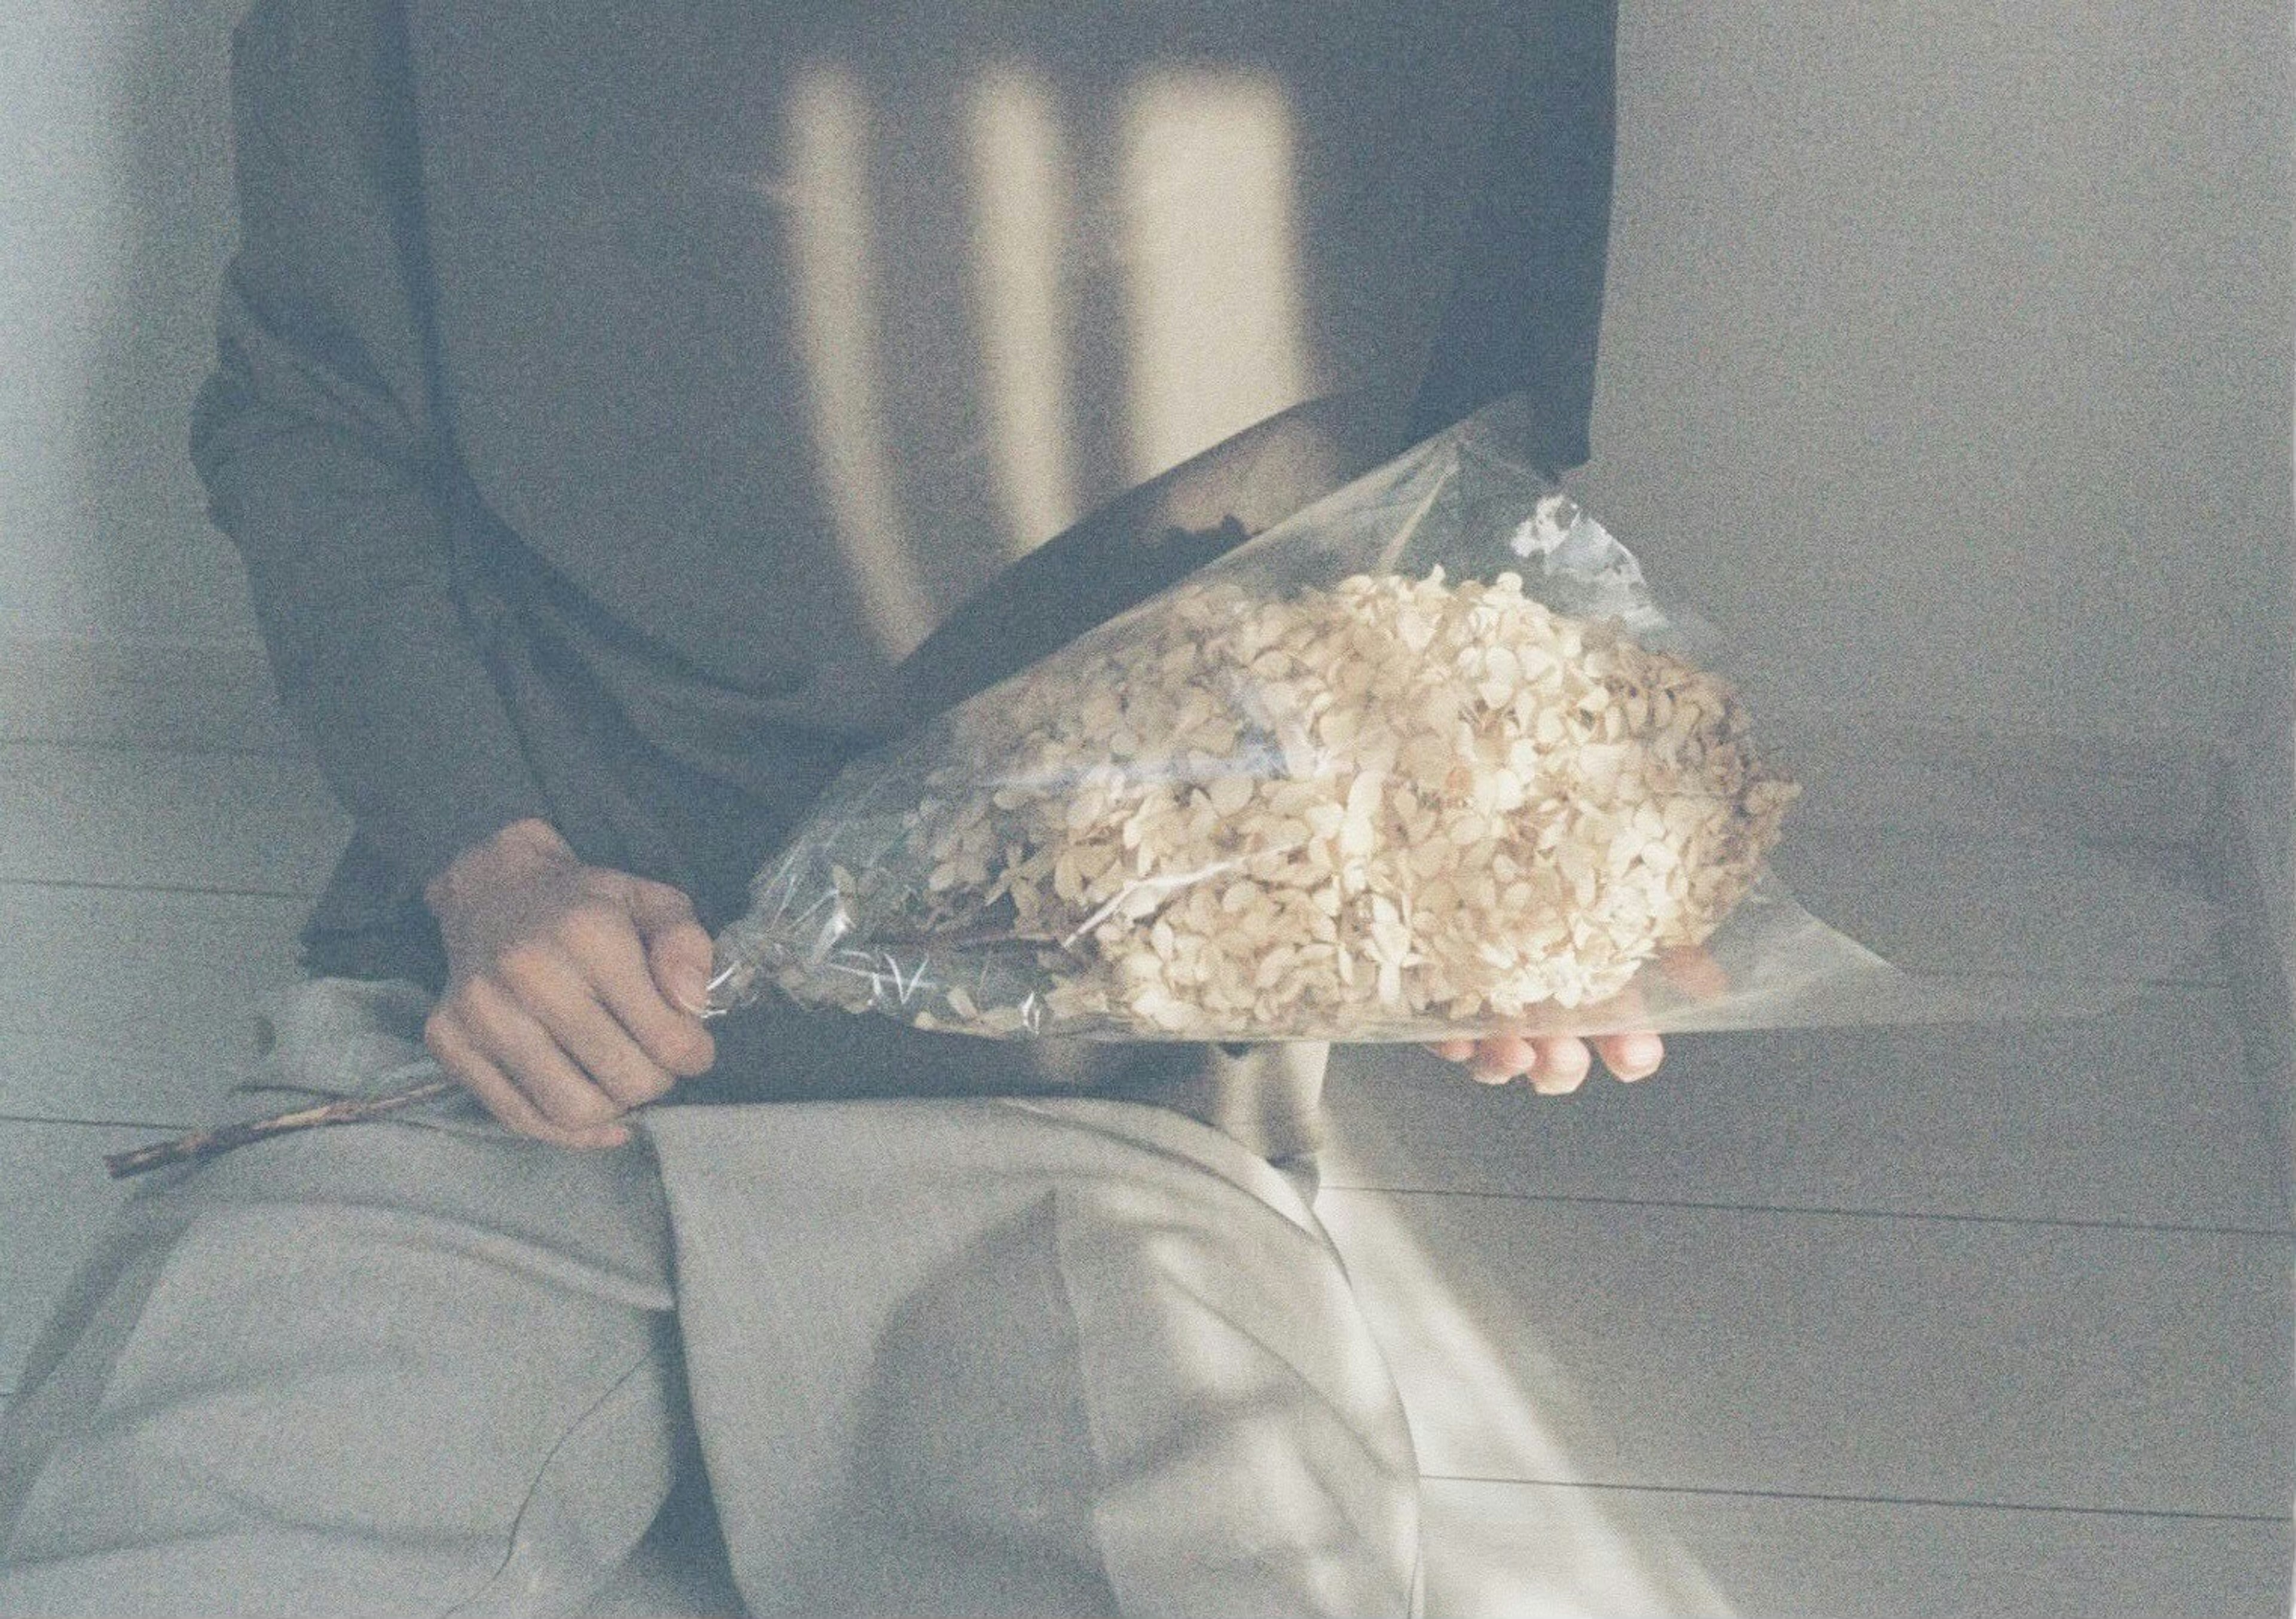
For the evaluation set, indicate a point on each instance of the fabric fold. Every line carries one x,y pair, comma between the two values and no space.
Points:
988,1355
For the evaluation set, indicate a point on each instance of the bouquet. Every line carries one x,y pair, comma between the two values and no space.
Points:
1426,759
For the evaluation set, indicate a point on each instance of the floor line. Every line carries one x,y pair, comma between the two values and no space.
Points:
102,885
1863,1501
2280,1233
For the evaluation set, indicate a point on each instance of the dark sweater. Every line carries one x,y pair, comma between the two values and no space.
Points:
528,414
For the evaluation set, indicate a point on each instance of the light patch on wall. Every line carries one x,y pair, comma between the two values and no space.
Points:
1020,204
828,199
1212,252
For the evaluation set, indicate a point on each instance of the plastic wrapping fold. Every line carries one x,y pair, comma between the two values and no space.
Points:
1428,759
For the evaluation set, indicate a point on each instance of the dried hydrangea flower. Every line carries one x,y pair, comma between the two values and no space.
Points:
1336,812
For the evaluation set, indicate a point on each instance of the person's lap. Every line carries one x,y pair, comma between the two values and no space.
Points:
334,1374
400,1368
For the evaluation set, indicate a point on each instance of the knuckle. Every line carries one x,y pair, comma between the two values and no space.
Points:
620,1073
482,1012
608,890
641,1082
524,965
672,902
592,925
602,1110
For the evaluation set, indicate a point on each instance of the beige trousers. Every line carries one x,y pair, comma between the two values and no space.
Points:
942,1354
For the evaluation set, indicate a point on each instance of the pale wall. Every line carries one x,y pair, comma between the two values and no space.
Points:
1948,351
114,220
1949,348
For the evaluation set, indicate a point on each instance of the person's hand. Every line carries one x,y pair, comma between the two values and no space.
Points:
1556,1064
573,992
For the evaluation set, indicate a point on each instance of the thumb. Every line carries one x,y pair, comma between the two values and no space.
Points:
678,951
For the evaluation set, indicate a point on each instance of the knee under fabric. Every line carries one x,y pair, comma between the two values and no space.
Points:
982,1356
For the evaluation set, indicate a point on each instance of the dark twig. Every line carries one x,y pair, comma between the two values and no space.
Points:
206,1143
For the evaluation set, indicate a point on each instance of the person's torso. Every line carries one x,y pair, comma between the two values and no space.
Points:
777,330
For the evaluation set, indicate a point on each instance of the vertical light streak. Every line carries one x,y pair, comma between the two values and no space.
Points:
1021,199
828,198
1212,252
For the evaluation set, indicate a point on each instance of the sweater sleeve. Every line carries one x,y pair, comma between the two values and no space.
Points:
1527,304
318,441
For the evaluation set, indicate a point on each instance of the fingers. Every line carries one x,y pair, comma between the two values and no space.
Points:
1495,1061
509,1036
1633,1053
447,1041
640,981
599,1043
1632,1057
677,949
1563,1065
1555,1065
558,1038
562,1009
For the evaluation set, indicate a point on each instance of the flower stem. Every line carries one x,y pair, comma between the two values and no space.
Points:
208,1143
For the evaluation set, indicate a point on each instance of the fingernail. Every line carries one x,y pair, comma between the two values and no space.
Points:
1640,1059
1489,1076
690,991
